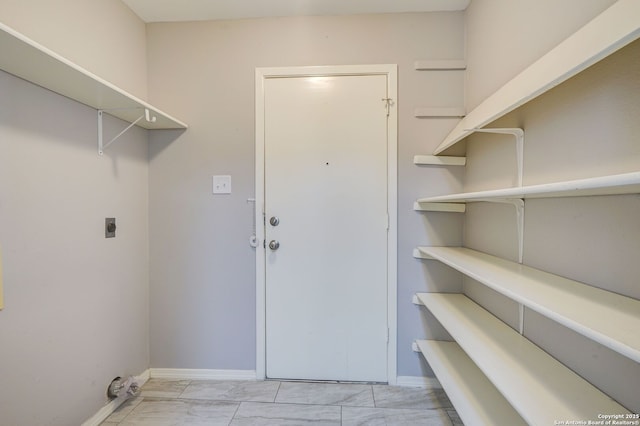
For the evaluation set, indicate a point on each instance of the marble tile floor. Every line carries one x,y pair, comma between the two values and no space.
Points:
282,403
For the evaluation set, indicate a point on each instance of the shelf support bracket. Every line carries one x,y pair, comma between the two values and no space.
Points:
518,203
519,135
101,145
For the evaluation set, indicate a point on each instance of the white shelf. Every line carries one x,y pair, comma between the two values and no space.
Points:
33,62
626,183
440,65
419,255
440,207
608,318
432,160
540,388
611,30
455,112
474,397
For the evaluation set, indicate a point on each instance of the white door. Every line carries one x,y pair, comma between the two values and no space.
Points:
326,190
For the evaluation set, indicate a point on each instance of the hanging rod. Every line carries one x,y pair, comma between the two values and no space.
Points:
101,145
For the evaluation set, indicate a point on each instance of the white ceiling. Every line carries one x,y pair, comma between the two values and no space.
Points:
199,10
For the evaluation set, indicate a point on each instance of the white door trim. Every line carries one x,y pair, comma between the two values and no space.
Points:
391,72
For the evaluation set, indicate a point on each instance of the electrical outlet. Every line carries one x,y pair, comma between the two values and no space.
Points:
222,184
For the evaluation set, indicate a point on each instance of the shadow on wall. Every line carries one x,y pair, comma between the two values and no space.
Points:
159,140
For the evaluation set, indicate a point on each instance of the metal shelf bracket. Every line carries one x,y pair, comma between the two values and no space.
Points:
101,145
519,135
518,203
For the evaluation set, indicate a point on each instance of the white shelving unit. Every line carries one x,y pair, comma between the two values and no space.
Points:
477,401
538,387
611,30
35,63
442,112
625,183
439,207
440,65
541,389
433,160
605,317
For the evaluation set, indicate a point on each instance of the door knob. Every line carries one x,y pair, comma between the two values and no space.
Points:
274,245
274,221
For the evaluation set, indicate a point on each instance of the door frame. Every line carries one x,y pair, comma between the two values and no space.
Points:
261,74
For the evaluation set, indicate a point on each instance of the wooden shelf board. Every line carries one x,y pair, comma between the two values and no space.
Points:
440,65
613,29
440,207
433,160
540,388
608,318
626,183
35,63
419,255
435,112
474,397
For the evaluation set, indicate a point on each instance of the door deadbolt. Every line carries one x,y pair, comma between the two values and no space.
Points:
274,221
274,245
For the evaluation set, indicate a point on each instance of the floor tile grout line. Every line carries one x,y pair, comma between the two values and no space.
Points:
277,391
373,395
234,414
185,388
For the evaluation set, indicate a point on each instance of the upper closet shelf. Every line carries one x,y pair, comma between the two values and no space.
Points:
626,183
432,160
608,318
439,112
611,30
440,65
35,63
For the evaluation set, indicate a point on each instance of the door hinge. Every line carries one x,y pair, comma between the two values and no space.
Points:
387,334
388,102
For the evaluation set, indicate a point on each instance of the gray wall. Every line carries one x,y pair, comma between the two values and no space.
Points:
76,304
103,36
202,268
585,127
504,37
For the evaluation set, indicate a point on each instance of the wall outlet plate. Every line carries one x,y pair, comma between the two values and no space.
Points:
222,184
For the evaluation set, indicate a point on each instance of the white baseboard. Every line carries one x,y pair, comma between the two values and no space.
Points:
418,382
113,405
201,374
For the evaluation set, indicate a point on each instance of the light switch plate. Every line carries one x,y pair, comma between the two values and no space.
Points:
222,184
